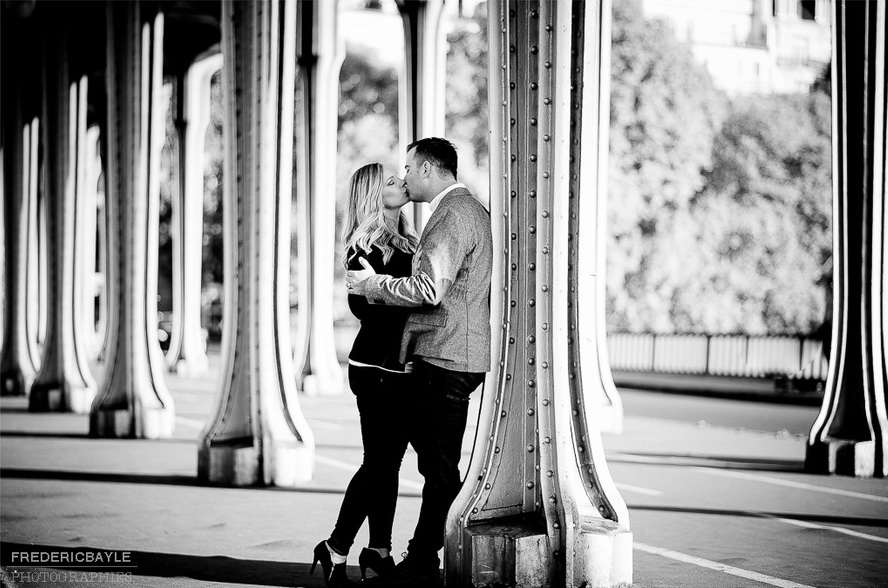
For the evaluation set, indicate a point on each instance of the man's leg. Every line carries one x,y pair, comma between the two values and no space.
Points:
442,407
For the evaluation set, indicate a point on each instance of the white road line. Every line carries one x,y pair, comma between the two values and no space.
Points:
639,489
350,467
719,567
792,484
193,423
843,530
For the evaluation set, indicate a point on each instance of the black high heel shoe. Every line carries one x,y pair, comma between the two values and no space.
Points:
334,574
370,558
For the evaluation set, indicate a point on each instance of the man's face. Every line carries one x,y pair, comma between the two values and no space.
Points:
412,178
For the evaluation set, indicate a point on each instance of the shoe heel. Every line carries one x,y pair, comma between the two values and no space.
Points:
363,572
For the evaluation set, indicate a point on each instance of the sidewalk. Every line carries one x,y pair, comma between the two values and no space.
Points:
705,492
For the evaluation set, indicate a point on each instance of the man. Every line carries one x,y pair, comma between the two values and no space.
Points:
447,336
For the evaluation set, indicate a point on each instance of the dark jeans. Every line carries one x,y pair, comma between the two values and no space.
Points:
439,407
373,490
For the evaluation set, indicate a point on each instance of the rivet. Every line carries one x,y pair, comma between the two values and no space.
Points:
496,449
545,250
512,86
531,302
514,236
508,377
574,411
532,229
580,449
552,500
548,64
533,49
511,340
532,193
474,511
531,361
531,339
545,214
533,14
601,508
546,138
533,122
530,412
547,440
514,157
546,366
546,175
533,85
511,48
530,449
512,121
514,266
556,525
530,485
546,101
513,304
531,383
514,195
533,157
545,326
545,402
487,486
531,266
548,28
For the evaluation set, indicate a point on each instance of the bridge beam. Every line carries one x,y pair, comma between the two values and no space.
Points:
133,400
850,435
320,52
64,382
257,435
187,354
540,507
20,359
423,86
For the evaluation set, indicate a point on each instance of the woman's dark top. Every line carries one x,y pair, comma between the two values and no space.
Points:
378,343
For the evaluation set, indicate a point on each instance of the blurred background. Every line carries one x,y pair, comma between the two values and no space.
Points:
719,244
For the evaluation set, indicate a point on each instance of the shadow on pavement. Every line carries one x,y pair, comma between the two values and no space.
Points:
709,461
228,570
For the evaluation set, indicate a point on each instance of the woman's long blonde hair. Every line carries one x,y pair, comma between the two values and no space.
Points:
365,221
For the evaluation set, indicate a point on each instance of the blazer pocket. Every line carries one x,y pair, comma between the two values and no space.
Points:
434,318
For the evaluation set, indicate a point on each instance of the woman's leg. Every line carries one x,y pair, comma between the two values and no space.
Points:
385,441
363,381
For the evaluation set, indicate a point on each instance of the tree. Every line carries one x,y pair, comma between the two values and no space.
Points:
665,114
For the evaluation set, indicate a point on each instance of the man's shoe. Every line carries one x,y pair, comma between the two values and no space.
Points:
417,571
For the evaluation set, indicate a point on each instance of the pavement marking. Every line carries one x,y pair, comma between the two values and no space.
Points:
639,489
350,467
193,423
792,484
719,567
843,530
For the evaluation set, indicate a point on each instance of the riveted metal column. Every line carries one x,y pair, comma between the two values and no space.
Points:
64,382
19,360
321,51
133,400
590,115
187,353
849,435
539,507
423,88
257,435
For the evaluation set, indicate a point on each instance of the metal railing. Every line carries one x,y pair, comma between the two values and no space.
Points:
719,355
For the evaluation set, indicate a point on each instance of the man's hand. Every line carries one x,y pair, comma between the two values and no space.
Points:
356,280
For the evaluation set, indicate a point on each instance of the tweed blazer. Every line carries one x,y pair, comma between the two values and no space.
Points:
449,288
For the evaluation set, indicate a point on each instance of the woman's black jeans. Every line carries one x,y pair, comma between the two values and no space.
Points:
373,490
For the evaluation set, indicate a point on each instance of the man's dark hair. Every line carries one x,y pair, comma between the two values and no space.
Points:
439,152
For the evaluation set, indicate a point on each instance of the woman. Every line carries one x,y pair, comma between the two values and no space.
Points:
377,231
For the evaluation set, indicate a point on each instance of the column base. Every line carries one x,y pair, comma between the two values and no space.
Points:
12,383
238,462
843,457
610,419
323,385
53,398
604,556
190,368
156,423
505,554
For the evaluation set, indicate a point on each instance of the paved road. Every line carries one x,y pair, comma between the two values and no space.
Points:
716,492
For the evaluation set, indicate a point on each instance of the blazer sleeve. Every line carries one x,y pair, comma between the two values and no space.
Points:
444,245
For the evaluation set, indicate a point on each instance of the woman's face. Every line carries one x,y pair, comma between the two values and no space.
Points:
394,191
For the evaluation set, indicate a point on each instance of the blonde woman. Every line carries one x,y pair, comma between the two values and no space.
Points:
378,233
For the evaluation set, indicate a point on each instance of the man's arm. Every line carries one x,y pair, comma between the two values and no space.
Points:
444,245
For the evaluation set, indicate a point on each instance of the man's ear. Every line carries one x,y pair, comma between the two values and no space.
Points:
426,168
